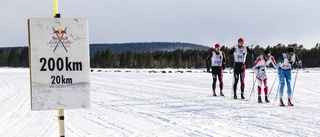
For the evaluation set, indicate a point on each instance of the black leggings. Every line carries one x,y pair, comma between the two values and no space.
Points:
217,72
239,73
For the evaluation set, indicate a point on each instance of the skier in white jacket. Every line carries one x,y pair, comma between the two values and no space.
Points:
260,65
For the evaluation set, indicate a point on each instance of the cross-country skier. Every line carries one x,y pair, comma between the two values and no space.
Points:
239,52
217,61
285,63
260,66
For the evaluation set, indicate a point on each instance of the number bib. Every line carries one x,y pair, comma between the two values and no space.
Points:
286,66
286,62
240,54
240,58
216,60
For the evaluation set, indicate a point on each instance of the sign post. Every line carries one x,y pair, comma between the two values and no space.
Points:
55,7
61,122
60,111
59,64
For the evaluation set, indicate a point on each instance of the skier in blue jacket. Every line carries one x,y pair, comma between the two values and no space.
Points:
285,63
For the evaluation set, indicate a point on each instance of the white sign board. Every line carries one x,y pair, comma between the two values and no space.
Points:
59,63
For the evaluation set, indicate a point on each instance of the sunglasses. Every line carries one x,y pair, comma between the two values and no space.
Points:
291,54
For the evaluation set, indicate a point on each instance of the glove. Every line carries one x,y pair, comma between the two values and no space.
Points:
258,67
223,66
208,70
299,66
291,62
279,65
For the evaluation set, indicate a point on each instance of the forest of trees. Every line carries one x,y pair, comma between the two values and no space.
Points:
164,59
14,58
192,58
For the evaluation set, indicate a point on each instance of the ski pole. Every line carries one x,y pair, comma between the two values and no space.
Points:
233,80
275,100
294,84
232,89
230,70
278,87
272,85
254,82
252,60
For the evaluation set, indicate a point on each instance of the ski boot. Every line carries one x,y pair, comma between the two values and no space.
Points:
221,94
267,100
289,102
235,96
259,99
214,94
242,96
281,103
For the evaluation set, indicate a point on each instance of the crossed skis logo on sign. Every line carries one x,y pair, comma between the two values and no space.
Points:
59,33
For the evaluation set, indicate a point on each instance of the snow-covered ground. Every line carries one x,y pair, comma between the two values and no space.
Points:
134,102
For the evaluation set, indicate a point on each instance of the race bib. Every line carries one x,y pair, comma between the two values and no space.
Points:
217,63
240,58
286,66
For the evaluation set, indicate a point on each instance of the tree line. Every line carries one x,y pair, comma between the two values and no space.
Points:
191,58
14,58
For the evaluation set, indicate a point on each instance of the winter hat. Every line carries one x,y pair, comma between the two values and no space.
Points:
217,45
290,50
240,40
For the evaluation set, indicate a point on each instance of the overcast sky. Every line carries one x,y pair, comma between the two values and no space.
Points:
206,22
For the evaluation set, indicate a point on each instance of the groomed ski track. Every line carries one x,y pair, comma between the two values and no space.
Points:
139,103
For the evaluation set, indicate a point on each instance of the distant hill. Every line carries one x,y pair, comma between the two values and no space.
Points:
137,47
150,46
8,49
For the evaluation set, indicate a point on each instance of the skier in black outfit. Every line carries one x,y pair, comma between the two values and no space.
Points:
240,52
217,61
